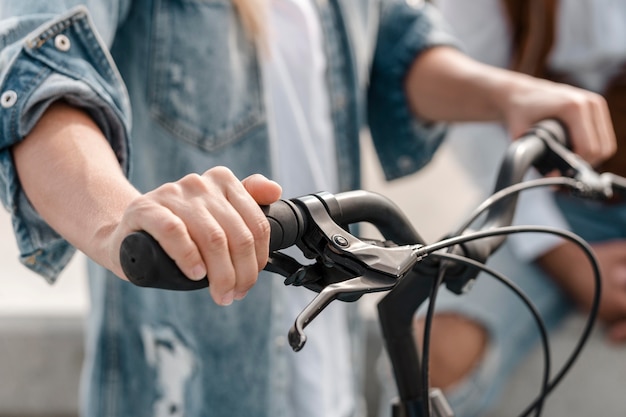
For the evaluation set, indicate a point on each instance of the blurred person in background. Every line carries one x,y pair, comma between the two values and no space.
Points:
479,338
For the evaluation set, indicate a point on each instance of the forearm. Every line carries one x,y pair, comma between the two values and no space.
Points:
73,179
445,85
210,224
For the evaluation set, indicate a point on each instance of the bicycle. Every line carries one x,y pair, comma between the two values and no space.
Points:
403,265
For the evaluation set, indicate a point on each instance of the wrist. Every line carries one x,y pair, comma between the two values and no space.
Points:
110,229
104,248
505,90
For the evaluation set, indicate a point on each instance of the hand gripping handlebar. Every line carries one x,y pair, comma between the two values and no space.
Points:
346,266
546,147
146,264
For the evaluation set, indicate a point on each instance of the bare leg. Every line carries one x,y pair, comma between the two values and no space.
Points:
457,344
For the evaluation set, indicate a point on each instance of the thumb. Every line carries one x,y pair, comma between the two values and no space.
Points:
263,190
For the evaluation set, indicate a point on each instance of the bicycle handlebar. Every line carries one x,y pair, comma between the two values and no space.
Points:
545,147
146,264
346,266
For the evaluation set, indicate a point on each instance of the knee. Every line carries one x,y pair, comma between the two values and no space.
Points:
457,345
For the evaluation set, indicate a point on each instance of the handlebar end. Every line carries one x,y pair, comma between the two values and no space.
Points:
146,264
297,339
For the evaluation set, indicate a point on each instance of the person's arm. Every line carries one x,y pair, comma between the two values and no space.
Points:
208,223
561,259
444,84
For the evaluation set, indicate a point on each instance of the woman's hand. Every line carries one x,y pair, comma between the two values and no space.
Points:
527,100
210,224
445,85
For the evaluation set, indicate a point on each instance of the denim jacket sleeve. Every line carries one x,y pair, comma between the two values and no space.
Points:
44,58
403,142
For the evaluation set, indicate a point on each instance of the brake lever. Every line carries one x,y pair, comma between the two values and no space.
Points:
345,267
314,277
334,245
368,283
559,156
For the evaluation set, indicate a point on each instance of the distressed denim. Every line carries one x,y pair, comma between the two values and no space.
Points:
511,327
175,85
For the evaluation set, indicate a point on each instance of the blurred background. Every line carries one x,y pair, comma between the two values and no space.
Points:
40,335
41,325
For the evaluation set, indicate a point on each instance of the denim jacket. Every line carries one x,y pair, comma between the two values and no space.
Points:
175,85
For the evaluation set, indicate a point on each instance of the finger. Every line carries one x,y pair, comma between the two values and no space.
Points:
595,140
242,253
264,191
212,240
221,238
254,219
604,128
582,132
169,231
246,227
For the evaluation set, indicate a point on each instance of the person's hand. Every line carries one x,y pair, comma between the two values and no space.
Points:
445,85
211,225
572,271
585,114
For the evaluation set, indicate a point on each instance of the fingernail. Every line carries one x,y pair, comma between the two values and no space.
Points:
198,272
227,299
240,295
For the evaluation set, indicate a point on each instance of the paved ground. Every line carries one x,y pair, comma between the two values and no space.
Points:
40,335
40,325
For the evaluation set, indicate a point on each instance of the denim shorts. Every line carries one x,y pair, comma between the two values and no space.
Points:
511,327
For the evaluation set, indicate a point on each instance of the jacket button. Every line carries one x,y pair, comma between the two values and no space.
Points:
8,99
62,43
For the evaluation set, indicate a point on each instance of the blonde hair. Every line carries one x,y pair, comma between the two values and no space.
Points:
253,17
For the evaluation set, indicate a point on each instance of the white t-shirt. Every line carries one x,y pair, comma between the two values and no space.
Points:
318,381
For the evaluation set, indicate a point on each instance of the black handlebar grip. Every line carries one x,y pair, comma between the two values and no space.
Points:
146,264
286,223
